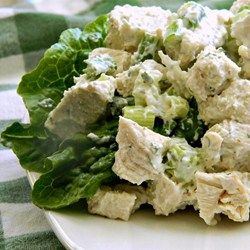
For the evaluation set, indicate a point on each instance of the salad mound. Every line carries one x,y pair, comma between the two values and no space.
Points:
143,105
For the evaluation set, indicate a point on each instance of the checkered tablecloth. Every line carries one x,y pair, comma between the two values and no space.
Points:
27,29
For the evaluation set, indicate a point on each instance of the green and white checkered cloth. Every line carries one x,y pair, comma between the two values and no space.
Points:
27,29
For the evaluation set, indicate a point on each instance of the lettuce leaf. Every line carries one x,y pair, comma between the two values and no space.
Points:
43,88
74,175
192,128
31,145
67,190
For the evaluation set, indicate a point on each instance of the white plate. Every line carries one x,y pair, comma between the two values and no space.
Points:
144,231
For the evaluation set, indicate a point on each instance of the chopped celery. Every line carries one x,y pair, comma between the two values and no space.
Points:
182,161
191,14
241,14
244,7
173,38
146,49
171,91
140,115
172,107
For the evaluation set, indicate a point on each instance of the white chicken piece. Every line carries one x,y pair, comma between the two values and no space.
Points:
175,75
128,25
146,82
233,104
192,29
140,192
239,4
244,52
120,57
211,74
226,193
226,146
119,203
125,81
241,23
215,84
82,104
166,196
140,153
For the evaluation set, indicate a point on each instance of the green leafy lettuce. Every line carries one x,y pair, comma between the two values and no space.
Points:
30,144
74,168
78,168
43,88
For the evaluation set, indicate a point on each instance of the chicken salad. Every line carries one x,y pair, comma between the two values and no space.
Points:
144,106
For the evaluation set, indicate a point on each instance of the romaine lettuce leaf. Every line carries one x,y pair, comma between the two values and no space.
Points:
42,89
70,181
78,168
31,145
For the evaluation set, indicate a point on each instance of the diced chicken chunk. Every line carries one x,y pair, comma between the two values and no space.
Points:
120,57
82,104
239,4
175,75
128,25
226,193
194,28
240,24
211,74
244,52
140,192
227,146
119,203
141,151
214,82
126,80
139,157
167,196
232,104
111,204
